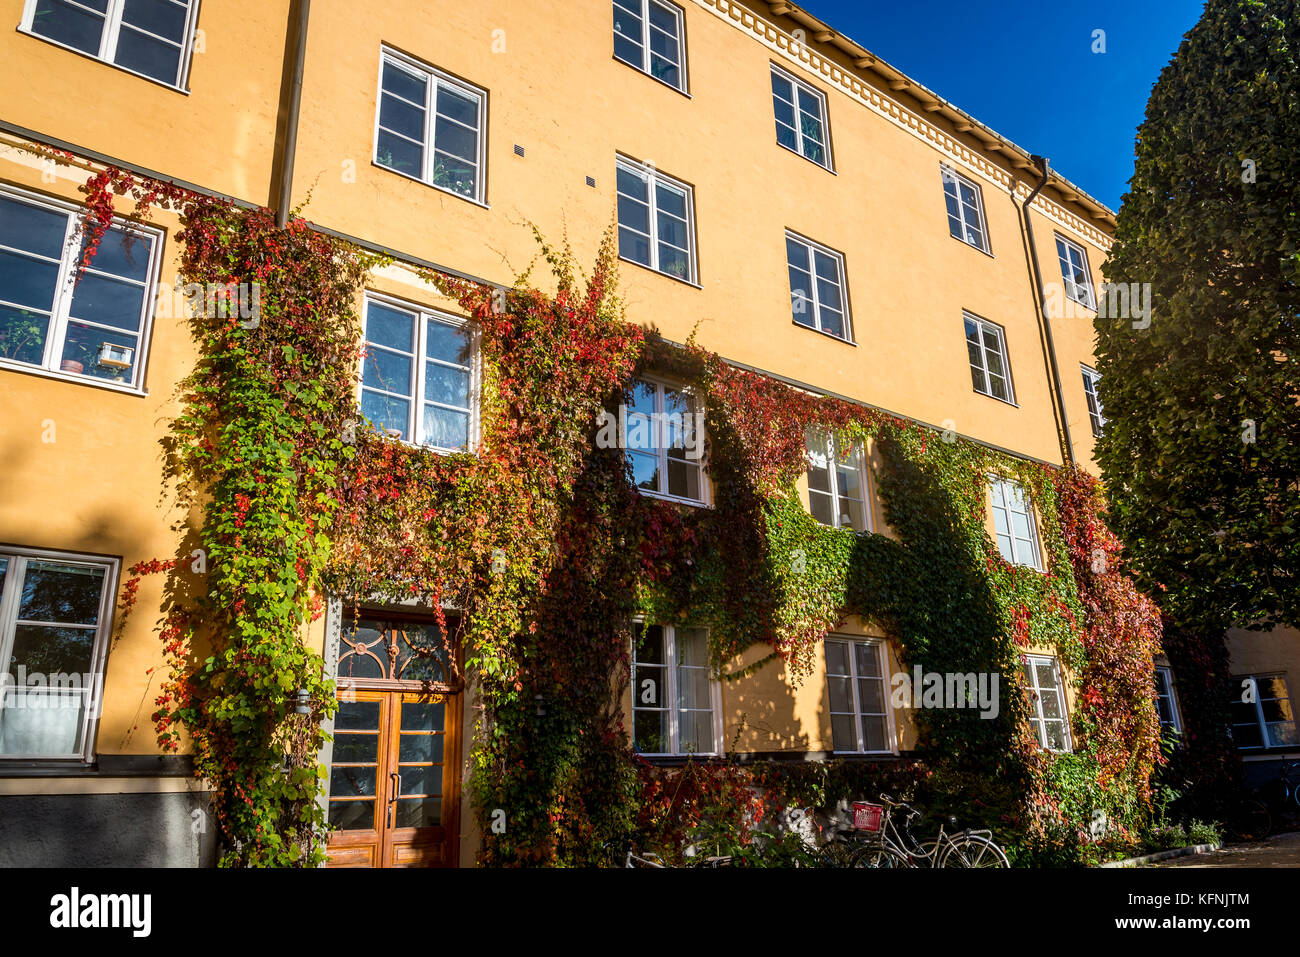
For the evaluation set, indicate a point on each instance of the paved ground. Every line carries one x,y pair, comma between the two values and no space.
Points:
1279,850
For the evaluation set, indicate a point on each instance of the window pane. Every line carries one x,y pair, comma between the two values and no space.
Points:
650,645
447,386
50,651
650,731
875,735
663,18
871,698
108,302
867,658
633,246
633,184
627,22
832,322
399,154
633,214
695,732
390,327
456,140
144,54
458,106
844,732
781,87
418,812
1045,672
401,117
33,229
22,334
821,507
645,470
445,429
841,693
454,173
673,230
58,592
387,412
350,782
837,658
123,254
683,479
446,342
389,371
84,345
663,44
41,721
404,84
67,24
693,647
27,282
159,17
673,262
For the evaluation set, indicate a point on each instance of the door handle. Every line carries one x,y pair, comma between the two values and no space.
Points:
395,791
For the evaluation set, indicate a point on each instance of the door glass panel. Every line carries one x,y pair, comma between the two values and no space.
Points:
353,815
352,782
421,779
357,716
420,748
356,748
422,716
419,812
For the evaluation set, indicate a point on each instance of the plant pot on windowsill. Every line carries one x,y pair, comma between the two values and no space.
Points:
71,365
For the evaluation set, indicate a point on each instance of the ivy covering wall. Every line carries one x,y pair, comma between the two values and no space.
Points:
542,544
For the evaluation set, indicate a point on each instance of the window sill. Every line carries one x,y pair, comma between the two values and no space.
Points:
972,245
1011,402
659,272
473,201
823,332
659,80
790,149
869,755
74,378
90,56
665,497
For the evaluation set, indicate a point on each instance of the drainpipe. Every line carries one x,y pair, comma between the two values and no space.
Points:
1058,396
291,129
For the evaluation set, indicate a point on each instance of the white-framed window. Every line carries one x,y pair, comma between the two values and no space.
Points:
861,722
1074,271
656,220
801,123
1013,523
818,296
990,369
837,483
1166,701
1095,413
55,611
1048,715
95,330
651,36
430,126
151,38
419,375
676,705
965,202
1263,715
665,442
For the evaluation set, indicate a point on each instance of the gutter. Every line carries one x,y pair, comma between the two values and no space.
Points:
285,171
1058,396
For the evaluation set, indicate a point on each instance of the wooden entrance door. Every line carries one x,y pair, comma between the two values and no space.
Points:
392,780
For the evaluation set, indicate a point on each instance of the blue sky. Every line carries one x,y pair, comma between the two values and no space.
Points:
1027,69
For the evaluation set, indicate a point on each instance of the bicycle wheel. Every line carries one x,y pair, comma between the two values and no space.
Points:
968,850
882,856
837,852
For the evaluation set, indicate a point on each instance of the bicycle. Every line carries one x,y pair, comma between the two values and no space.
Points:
897,847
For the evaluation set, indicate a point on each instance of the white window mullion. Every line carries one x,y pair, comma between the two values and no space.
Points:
112,27
9,606
430,123
65,282
417,380
670,681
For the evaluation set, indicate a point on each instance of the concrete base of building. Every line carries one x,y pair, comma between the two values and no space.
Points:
140,829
